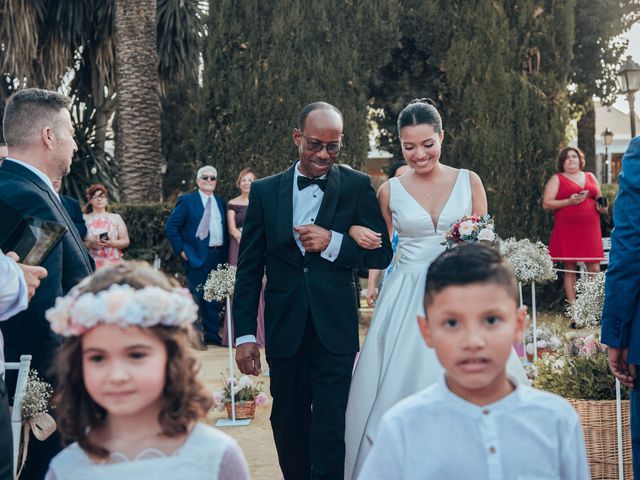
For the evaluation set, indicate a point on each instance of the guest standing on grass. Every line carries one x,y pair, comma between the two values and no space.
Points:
621,312
197,230
107,233
236,213
297,226
576,237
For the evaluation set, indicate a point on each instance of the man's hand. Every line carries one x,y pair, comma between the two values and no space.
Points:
184,256
620,368
313,237
32,275
248,358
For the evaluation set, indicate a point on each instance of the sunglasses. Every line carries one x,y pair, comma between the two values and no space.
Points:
208,177
315,146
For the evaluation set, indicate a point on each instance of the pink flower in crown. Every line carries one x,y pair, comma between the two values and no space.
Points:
111,302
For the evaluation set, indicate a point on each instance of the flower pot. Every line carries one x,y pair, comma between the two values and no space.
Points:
541,352
598,418
243,409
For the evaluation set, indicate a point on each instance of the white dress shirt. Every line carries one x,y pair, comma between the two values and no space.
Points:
13,295
39,173
306,205
215,220
435,434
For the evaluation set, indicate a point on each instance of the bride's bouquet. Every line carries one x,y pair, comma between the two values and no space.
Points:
470,228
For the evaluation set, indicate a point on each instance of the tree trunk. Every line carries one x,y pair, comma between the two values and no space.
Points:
138,135
587,136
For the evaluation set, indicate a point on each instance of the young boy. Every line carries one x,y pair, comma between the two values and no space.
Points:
476,423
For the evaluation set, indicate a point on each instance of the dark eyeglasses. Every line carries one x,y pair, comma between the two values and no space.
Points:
98,196
208,177
315,146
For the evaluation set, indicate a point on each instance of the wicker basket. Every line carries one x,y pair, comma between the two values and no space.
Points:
243,409
598,418
541,353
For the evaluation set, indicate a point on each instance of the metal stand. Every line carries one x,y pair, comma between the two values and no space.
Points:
233,421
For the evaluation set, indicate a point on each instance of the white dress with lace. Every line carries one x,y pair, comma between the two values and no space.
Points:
394,361
207,454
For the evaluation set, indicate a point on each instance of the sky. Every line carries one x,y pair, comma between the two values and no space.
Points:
633,35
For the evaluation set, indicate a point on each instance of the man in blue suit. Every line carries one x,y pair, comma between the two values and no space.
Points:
72,206
621,315
197,230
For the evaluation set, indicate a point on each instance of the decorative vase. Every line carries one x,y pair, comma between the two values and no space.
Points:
541,352
598,418
243,409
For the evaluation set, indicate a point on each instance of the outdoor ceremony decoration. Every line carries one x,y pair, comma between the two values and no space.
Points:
579,371
586,310
531,263
246,394
547,341
470,228
34,411
219,287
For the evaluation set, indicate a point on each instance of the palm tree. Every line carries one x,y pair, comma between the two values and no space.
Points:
71,46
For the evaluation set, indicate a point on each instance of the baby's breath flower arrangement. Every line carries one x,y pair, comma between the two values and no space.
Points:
530,261
220,283
36,396
586,310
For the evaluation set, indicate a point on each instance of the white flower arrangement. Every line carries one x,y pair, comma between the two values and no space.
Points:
243,389
220,283
545,338
530,261
121,305
36,397
586,310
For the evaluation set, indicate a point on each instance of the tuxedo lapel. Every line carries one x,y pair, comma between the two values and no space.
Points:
330,199
32,177
284,209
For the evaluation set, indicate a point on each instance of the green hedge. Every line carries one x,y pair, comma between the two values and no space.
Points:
145,223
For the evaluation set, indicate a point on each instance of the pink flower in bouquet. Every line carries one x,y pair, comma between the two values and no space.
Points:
261,399
590,346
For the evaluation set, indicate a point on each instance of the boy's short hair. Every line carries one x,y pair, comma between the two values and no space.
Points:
466,264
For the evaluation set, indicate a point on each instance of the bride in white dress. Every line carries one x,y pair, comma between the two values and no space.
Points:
394,361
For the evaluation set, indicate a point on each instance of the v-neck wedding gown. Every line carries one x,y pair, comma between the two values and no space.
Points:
394,361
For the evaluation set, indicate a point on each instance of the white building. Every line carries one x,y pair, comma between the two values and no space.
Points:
617,122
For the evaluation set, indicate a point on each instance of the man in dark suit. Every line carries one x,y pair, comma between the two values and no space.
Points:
197,230
297,226
39,135
72,206
621,312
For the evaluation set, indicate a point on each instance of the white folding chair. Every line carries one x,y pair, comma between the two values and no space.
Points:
23,367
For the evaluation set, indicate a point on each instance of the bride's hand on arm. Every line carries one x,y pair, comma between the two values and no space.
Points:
365,237
372,290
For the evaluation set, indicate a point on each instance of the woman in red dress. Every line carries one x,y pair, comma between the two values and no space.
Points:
576,235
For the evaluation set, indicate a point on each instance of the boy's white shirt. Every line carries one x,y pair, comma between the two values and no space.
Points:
435,434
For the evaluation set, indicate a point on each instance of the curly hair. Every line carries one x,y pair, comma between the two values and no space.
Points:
185,399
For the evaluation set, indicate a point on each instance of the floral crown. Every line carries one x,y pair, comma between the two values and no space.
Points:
121,305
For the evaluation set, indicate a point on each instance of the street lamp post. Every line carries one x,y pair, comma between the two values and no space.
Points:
629,79
607,138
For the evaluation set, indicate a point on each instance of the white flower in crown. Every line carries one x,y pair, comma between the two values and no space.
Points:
486,234
122,305
467,227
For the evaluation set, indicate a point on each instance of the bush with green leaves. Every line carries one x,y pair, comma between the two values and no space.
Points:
579,371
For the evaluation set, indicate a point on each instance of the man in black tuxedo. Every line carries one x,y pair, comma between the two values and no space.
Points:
39,135
297,226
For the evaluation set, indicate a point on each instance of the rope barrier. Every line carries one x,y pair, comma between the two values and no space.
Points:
575,271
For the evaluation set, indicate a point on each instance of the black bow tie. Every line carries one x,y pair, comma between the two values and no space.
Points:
304,182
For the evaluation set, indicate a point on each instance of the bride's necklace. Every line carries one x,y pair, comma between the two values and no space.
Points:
429,195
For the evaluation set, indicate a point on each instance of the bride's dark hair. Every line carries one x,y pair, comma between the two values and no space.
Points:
420,111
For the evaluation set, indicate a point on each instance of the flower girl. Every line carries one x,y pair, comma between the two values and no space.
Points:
128,393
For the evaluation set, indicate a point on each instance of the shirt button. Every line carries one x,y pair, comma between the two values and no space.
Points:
492,450
485,412
312,219
305,270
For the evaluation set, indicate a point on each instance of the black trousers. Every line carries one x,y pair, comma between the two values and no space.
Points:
6,443
310,390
